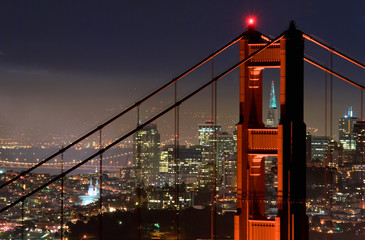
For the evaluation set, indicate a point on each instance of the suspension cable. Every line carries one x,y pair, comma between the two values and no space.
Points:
331,135
212,158
140,126
176,161
325,162
362,104
331,99
235,40
100,187
325,68
62,188
325,103
215,155
333,73
22,210
138,177
333,50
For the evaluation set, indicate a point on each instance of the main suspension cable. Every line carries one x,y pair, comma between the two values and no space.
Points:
139,127
319,43
333,73
138,103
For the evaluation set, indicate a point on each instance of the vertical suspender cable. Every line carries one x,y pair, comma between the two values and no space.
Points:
362,104
326,156
138,178
362,154
23,186
62,187
215,151
325,163
331,98
331,134
176,161
100,187
325,104
212,160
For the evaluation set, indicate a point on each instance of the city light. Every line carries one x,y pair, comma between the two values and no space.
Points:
157,173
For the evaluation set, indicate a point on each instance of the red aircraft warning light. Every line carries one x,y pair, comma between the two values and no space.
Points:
251,21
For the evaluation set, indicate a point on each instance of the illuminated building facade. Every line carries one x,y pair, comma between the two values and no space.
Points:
192,161
92,195
271,120
345,130
229,175
226,157
319,146
208,137
359,136
206,132
146,152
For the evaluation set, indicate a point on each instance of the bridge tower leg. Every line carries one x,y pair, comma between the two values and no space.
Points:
291,141
287,141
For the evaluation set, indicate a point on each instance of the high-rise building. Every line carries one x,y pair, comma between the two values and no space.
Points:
207,131
229,168
359,135
226,149
192,162
345,129
146,146
271,120
319,146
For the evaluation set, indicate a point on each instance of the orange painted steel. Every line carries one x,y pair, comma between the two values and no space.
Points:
139,127
333,73
130,108
333,50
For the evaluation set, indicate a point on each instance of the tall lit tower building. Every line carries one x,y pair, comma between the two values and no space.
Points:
359,135
226,159
146,152
207,131
345,129
271,120
208,137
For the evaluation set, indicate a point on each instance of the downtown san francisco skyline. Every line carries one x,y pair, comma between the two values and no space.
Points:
67,67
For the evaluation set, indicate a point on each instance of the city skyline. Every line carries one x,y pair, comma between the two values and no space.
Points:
69,67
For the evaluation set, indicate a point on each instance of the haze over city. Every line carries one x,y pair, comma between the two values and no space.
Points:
67,66
238,160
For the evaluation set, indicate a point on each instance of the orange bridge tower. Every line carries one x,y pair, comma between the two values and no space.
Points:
287,141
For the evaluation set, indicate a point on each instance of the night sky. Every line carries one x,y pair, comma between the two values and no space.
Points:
66,66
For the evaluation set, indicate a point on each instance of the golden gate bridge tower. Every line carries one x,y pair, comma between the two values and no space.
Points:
287,141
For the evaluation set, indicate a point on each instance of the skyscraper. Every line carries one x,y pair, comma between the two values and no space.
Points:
146,149
345,129
191,160
319,146
208,136
359,135
226,149
206,132
272,112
